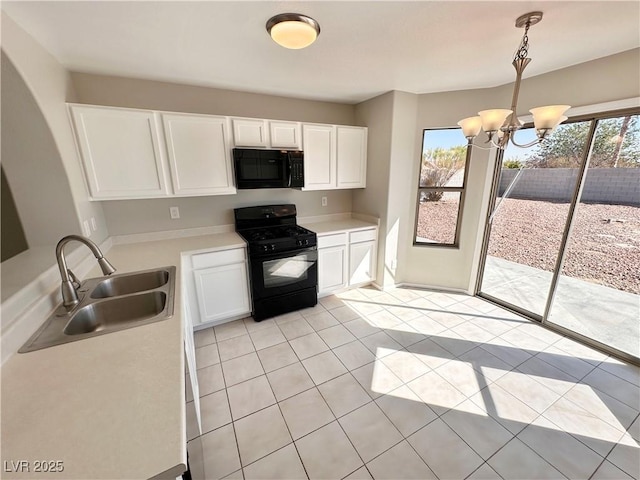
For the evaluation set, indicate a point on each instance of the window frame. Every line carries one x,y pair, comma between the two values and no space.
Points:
462,190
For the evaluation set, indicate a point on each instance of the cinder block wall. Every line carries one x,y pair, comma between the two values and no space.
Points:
603,185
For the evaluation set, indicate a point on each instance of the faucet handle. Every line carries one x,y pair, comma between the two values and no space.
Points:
74,280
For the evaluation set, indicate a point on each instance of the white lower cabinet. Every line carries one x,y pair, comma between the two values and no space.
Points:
221,287
362,258
346,259
332,269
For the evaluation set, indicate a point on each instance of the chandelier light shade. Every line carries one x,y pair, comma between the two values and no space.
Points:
293,30
501,124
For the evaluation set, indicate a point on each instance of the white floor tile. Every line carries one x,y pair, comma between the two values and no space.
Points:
481,432
289,381
281,464
381,344
384,319
321,320
399,462
354,355
516,461
250,396
230,330
444,452
207,356
267,337
405,365
504,408
620,389
626,458
361,474
370,431
463,376
485,472
331,302
204,337
430,353
436,392
406,410
343,394
210,379
547,375
242,368
601,405
574,366
344,314
276,357
220,452
626,371
295,328
327,453
524,387
336,336
214,411
489,366
505,351
376,379
306,412
235,347
360,328
571,457
324,367
261,433
608,471
473,333
405,334
426,325
308,346
454,343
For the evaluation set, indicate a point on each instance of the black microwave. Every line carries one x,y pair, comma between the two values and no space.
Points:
256,168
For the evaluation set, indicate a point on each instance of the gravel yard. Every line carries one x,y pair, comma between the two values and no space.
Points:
604,247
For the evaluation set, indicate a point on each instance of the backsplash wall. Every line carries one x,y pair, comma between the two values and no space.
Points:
140,216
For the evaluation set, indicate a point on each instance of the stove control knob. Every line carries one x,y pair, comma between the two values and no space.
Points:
265,248
299,243
272,247
306,242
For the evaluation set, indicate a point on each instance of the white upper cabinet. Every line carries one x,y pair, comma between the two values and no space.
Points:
319,146
285,135
351,156
250,132
198,150
121,152
335,156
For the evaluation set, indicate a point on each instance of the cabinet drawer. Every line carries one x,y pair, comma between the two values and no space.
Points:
362,235
214,259
332,240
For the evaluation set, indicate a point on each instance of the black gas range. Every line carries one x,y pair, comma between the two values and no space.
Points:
283,259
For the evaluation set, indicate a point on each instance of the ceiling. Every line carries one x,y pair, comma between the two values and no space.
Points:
365,48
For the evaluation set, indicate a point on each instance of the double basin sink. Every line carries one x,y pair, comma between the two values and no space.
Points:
109,304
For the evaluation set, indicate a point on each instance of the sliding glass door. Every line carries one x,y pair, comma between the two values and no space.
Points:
562,241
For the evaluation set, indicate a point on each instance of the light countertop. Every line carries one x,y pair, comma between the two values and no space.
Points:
110,406
336,226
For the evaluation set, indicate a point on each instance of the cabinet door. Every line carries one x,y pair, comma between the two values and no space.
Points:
198,151
120,152
351,156
222,292
250,132
362,262
332,269
319,156
285,135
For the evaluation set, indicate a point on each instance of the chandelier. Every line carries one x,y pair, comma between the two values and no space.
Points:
500,124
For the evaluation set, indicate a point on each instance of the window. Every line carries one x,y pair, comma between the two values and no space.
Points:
441,187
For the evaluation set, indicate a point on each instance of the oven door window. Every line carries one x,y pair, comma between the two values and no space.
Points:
287,271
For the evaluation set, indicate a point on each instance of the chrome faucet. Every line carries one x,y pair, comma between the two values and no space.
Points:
69,293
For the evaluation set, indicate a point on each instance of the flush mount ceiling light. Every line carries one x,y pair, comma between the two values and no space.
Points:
293,30
501,124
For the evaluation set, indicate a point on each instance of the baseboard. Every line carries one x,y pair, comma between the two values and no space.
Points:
420,286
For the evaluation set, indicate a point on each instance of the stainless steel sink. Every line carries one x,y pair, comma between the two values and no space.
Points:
131,283
109,304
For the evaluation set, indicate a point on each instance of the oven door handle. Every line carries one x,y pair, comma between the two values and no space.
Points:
290,253
289,168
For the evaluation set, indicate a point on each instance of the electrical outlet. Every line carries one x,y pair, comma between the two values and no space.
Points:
324,201
175,212
94,224
86,228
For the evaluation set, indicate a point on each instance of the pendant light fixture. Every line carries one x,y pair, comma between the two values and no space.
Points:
293,30
501,124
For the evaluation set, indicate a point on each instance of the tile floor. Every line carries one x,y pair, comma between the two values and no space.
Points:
409,384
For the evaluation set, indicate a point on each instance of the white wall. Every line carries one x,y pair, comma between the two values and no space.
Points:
51,87
138,216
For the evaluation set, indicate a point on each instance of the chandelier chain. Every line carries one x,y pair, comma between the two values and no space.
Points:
523,49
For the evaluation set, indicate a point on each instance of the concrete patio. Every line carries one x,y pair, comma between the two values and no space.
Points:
604,314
